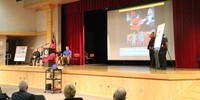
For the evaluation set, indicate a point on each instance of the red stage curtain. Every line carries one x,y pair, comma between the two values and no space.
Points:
75,38
75,20
186,32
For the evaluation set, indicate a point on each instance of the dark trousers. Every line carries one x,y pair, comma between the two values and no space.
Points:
35,59
152,58
162,59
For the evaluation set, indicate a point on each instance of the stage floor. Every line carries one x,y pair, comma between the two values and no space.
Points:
141,82
116,71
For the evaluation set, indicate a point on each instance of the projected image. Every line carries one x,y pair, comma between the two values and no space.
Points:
129,29
142,23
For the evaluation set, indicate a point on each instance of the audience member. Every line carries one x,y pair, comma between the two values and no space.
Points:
0,91
69,92
120,94
3,96
66,56
35,57
22,94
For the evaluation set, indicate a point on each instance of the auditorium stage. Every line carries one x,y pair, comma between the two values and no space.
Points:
141,82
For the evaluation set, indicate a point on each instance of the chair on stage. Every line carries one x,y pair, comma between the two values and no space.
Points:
76,58
91,58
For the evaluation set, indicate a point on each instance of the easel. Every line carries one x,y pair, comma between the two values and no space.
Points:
18,62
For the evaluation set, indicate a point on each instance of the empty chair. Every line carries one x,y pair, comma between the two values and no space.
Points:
76,58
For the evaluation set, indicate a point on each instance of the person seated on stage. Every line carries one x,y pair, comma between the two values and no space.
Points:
120,94
87,58
42,54
35,57
66,56
22,94
69,92
51,57
58,56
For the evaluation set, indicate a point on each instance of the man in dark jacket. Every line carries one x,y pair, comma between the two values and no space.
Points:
22,94
35,57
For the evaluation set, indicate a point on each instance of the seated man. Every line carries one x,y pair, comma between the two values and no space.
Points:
22,94
69,92
66,56
120,94
35,57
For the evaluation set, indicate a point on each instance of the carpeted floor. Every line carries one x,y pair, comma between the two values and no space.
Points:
49,96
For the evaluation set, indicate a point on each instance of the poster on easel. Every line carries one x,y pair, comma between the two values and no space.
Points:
20,53
159,35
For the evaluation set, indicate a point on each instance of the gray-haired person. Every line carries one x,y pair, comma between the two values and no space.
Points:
120,94
22,94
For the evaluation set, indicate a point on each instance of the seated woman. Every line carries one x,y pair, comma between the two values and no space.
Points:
58,56
51,57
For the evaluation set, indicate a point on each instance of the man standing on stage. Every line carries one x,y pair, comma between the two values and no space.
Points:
163,52
150,47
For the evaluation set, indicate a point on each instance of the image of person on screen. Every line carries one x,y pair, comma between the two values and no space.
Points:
35,57
150,47
163,52
141,38
134,39
66,56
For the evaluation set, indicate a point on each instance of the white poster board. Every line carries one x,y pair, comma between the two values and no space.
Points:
159,35
20,53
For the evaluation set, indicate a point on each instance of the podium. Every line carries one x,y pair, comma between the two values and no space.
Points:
47,52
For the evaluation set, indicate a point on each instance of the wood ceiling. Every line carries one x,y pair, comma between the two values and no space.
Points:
44,4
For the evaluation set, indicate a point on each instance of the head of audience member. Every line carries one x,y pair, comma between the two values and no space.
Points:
67,47
120,94
69,91
23,85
